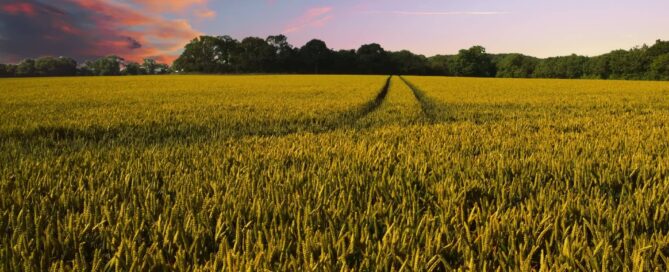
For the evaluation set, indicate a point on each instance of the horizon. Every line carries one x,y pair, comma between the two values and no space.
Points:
135,29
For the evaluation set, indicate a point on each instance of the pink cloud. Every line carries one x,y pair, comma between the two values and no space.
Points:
19,8
156,36
87,29
197,7
205,14
169,5
312,18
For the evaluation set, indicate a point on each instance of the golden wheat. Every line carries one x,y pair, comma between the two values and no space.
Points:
333,173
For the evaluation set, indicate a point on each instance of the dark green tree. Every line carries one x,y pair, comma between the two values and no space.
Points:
149,66
659,69
7,70
315,56
516,66
106,66
162,68
344,62
133,68
285,54
406,63
256,55
207,54
572,66
373,59
442,65
474,62
26,68
85,70
51,66
598,67
618,65
658,49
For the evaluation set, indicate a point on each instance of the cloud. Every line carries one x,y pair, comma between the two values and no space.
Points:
177,6
312,18
19,8
205,14
88,29
440,13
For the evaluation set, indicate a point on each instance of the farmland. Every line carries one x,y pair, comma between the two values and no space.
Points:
333,173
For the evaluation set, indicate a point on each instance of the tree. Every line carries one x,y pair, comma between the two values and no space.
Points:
67,66
162,68
85,70
658,49
149,66
7,70
344,62
227,54
279,43
573,66
26,68
516,66
406,63
256,55
223,54
638,63
373,59
46,66
316,56
442,65
660,67
474,62
106,66
133,68
207,54
50,66
619,64
598,67
284,54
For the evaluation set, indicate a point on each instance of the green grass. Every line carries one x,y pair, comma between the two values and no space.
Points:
331,173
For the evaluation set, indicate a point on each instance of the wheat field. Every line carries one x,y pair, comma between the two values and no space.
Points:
333,173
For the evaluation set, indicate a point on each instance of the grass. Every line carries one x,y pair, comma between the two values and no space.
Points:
331,173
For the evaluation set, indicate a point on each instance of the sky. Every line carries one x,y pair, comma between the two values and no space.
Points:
136,29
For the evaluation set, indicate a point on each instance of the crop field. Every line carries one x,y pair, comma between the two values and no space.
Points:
333,173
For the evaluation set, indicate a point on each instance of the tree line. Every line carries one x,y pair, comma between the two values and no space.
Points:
65,66
226,55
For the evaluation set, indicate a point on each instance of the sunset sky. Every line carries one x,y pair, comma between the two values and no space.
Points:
135,29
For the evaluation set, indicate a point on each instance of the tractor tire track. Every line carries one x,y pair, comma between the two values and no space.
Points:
430,107
370,106
346,119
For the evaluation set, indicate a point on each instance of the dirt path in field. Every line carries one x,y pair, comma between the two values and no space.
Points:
428,106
